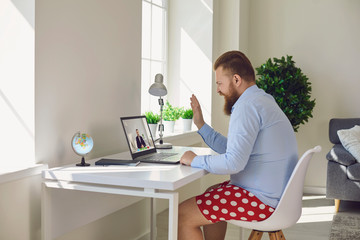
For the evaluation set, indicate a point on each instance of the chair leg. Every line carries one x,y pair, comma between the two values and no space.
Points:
337,205
278,235
255,235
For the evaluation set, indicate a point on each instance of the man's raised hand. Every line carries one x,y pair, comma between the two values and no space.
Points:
198,116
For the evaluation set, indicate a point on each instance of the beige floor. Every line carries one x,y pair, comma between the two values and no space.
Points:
314,224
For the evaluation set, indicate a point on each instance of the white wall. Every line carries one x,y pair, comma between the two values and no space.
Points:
87,74
20,209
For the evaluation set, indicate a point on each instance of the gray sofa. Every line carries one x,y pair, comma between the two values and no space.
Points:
343,171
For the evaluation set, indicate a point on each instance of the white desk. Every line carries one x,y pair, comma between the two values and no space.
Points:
145,180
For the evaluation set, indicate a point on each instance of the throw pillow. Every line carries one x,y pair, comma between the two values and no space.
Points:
350,139
340,155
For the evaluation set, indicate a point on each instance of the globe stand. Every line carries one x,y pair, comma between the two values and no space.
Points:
83,163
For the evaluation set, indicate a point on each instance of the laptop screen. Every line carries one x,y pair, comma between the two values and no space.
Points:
138,135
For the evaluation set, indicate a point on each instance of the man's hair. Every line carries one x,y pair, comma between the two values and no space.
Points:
236,63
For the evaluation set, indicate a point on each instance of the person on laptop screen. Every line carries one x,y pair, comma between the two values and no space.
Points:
259,153
139,140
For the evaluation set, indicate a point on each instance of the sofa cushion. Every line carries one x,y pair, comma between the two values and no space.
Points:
350,139
353,172
339,154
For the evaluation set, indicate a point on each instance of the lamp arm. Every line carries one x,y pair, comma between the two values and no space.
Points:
161,126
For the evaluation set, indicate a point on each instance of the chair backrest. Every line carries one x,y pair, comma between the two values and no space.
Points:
290,204
288,211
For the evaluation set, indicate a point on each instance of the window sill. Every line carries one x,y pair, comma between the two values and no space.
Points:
16,173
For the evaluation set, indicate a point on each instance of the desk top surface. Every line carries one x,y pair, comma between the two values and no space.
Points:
145,175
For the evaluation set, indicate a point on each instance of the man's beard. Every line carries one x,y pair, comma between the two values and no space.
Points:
230,100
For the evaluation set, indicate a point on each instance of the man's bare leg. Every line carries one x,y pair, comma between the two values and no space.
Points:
190,221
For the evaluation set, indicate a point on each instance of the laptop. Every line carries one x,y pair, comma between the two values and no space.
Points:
141,143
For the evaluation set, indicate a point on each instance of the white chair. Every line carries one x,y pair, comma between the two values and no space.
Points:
288,211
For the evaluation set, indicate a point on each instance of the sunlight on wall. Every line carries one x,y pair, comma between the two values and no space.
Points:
208,4
16,84
195,74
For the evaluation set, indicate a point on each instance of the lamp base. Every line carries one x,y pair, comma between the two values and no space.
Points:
163,145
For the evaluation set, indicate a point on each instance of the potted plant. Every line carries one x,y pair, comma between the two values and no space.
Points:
187,116
170,115
290,88
152,119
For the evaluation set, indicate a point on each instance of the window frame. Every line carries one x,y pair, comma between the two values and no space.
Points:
148,102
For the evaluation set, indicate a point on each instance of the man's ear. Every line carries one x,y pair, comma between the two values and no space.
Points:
237,79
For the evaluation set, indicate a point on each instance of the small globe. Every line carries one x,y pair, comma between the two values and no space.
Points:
82,143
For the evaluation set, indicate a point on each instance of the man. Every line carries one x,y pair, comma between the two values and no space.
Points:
259,154
139,140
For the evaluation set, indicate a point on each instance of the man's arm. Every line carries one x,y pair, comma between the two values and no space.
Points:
142,141
213,139
138,143
243,130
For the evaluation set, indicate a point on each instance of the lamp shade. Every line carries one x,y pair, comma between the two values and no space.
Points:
158,88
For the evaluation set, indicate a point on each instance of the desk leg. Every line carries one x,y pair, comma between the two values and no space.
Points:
173,215
153,232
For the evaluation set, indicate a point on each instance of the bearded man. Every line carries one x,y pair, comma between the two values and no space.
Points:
259,153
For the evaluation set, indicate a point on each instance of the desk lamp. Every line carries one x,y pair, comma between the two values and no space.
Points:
158,89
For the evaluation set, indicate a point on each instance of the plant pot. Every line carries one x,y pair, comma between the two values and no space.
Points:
153,128
187,123
169,126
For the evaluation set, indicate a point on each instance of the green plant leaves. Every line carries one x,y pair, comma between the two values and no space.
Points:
171,113
289,87
152,118
187,114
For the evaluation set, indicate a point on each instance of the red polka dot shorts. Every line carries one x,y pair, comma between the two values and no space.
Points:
230,202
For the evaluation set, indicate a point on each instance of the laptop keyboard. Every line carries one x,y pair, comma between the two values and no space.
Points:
156,156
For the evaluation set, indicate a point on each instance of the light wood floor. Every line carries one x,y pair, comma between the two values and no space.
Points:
314,224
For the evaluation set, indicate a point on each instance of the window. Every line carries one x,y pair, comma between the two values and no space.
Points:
154,49
185,59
